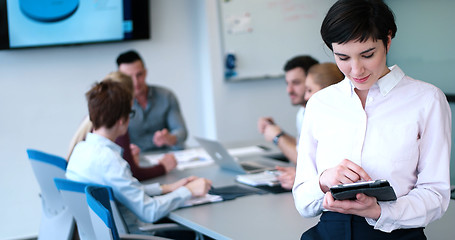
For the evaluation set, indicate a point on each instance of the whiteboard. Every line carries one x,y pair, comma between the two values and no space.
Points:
264,34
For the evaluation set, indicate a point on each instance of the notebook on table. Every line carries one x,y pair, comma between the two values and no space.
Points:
267,181
227,162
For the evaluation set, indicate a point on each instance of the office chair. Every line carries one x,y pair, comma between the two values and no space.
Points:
101,216
73,194
56,220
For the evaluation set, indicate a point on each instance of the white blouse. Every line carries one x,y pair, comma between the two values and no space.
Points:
402,135
298,121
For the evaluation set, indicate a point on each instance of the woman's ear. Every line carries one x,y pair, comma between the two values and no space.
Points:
122,125
389,41
120,121
123,120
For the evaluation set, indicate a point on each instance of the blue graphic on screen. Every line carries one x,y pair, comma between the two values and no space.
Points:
54,22
48,10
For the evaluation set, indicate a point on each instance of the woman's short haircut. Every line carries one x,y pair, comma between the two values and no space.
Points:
358,20
108,101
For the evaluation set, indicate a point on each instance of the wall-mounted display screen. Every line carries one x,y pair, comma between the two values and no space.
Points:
40,23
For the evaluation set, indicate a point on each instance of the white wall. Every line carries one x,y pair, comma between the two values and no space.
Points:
42,97
42,102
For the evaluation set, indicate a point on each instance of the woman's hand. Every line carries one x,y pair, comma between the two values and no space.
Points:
166,188
345,172
168,161
286,176
199,187
135,151
363,205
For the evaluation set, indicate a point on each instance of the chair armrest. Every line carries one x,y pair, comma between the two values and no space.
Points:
150,227
138,237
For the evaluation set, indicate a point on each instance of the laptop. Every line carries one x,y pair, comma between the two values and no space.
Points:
226,161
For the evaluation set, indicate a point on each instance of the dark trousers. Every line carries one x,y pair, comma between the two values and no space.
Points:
334,226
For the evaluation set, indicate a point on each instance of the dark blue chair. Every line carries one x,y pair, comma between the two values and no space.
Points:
102,219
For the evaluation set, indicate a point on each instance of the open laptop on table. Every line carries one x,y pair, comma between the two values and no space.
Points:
226,161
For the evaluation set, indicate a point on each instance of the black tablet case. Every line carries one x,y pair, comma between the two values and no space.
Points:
381,190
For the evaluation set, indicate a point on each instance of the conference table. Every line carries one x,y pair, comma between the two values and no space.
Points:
265,216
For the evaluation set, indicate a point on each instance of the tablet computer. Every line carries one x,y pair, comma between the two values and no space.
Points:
380,189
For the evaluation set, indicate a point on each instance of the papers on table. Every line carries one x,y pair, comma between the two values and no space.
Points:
266,178
188,158
196,157
208,198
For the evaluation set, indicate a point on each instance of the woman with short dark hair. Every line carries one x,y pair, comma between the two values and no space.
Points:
378,123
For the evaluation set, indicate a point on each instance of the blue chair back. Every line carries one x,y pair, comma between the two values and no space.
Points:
73,194
46,167
101,212
56,221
